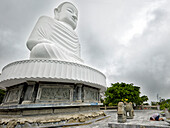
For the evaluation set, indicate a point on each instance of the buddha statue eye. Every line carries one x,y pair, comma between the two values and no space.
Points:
69,10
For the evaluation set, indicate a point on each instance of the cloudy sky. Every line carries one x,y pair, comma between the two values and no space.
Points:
128,40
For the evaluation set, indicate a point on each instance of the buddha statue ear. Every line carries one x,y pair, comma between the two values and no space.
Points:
56,13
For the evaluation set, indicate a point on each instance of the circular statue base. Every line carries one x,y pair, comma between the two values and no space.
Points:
50,87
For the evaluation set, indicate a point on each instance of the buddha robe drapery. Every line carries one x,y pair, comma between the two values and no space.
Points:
50,39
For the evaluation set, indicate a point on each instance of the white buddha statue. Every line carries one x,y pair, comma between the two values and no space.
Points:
55,38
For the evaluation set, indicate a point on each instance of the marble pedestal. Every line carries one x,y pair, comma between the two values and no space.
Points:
50,87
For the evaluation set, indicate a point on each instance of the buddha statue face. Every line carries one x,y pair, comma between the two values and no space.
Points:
67,13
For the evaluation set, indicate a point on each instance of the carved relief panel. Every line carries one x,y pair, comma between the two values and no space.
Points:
91,94
13,94
54,93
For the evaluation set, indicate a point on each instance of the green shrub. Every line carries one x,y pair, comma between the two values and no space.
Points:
145,103
165,104
169,109
110,104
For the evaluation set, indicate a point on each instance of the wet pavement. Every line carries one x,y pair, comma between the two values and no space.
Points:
141,118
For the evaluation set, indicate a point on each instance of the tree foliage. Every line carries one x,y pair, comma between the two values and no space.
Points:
144,98
123,92
165,104
2,94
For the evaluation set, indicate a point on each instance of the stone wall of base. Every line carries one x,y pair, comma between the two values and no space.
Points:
32,92
49,111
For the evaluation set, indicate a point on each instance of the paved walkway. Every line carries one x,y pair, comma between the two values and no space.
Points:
141,117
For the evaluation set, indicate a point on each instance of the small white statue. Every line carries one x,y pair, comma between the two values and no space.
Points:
55,38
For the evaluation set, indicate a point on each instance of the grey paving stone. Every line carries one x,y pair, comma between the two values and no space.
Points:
141,118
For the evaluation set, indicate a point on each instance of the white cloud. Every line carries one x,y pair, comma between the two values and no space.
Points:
140,22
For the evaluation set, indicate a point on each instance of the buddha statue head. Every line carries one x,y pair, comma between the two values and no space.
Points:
67,13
